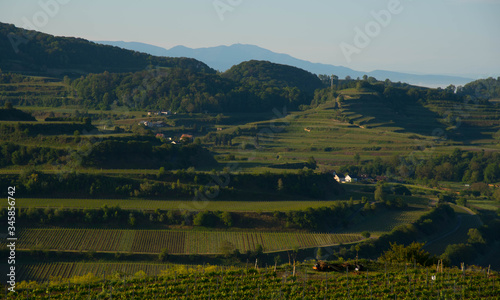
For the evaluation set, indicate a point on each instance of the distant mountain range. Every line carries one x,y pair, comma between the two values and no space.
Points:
224,57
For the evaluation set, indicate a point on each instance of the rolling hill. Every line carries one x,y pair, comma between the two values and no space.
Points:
224,57
37,53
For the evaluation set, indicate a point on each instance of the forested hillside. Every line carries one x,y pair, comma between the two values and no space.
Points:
38,53
483,89
270,74
187,91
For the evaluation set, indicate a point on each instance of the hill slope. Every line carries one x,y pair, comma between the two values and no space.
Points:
268,73
31,52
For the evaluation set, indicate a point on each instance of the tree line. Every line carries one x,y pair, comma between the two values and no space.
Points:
459,166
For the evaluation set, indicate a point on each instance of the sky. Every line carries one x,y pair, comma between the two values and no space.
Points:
452,37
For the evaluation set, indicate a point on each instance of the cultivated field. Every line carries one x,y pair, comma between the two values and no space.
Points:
421,283
176,242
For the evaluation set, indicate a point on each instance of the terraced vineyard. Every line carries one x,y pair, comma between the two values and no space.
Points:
265,284
473,114
177,242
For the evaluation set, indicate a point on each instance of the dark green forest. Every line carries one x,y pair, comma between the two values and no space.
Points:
36,53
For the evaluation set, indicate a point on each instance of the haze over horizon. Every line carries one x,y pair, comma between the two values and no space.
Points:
449,37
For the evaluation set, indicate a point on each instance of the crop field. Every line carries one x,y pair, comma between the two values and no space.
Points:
485,204
234,206
264,284
176,242
384,221
42,272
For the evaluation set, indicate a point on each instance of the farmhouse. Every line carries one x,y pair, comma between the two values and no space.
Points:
339,179
186,137
342,179
348,178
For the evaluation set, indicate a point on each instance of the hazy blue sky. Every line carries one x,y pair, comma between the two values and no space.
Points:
427,36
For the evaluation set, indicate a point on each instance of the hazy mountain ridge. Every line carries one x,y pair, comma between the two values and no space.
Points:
223,58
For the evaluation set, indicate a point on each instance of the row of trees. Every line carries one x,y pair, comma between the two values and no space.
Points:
108,153
459,166
115,217
144,155
168,185
304,183
13,154
398,94
34,129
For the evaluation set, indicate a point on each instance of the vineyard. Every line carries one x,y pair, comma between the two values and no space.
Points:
216,283
43,272
176,242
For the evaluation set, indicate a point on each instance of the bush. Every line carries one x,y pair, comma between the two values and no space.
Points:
163,256
227,219
206,219
409,254
458,253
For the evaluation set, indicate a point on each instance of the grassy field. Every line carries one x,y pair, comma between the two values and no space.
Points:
134,204
177,242
384,221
